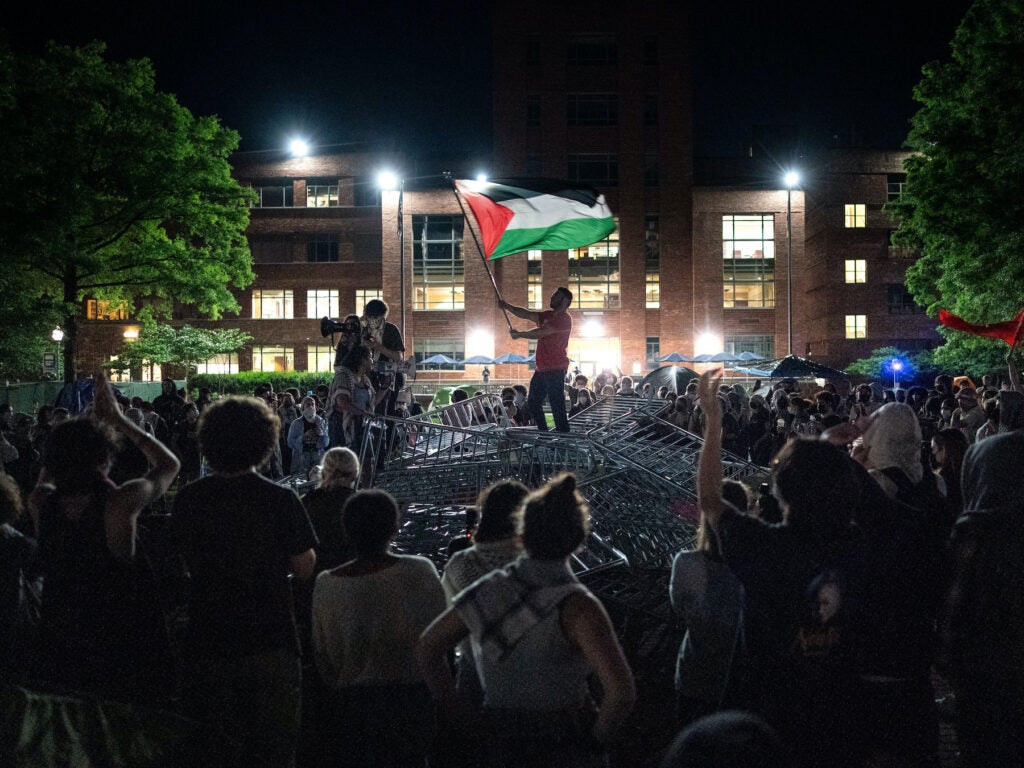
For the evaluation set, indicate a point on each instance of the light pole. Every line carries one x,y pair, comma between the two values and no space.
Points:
791,179
58,336
897,366
387,181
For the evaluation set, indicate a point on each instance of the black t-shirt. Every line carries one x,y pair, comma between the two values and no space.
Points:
237,536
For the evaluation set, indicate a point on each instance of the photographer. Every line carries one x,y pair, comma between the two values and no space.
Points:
385,343
351,329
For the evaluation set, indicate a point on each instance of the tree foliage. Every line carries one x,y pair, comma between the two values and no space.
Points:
963,205
113,190
917,367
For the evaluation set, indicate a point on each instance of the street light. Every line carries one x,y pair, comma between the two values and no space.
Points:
791,178
58,336
896,366
388,181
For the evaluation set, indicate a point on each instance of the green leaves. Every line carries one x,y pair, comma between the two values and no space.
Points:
186,346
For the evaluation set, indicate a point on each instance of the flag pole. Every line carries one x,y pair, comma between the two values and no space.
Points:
458,198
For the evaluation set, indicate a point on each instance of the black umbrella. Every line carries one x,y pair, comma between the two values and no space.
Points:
675,377
793,367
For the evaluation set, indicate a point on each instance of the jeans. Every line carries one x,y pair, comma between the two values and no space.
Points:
548,385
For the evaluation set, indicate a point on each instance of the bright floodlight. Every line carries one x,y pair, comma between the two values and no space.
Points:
897,365
387,180
481,177
791,179
298,148
707,344
57,334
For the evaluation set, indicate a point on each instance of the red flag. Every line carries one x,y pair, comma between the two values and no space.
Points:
1009,331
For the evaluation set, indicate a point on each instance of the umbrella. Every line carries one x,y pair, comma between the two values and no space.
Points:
705,358
510,357
748,356
795,367
675,377
760,373
726,357
438,360
674,357
478,360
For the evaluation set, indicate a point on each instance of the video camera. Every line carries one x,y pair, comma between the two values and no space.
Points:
329,326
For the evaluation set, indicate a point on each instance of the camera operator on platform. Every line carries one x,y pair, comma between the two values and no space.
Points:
385,343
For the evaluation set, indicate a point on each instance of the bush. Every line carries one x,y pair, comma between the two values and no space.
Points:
245,383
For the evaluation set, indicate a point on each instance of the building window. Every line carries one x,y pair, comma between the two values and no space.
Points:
320,194
650,110
533,50
321,302
856,326
748,257
105,310
652,262
320,358
533,110
855,215
453,347
272,304
650,50
227,363
593,49
322,248
274,194
651,169
592,109
895,184
594,170
594,274
438,270
856,270
363,295
653,351
271,250
762,345
271,359
901,302
534,280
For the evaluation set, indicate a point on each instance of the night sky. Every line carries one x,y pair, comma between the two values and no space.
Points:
415,74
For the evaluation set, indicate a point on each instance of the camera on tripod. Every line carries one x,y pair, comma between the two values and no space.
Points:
330,326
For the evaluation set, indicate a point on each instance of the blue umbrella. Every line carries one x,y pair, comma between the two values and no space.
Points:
674,357
705,358
478,360
750,356
726,357
438,360
510,357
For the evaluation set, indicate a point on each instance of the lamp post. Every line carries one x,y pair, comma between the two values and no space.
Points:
387,181
897,366
791,178
58,337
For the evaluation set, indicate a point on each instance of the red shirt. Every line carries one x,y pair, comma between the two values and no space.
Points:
551,349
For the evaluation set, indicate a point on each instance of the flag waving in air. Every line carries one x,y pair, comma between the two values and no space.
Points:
1008,330
542,214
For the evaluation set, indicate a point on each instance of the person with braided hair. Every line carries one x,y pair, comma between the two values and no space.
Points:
537,635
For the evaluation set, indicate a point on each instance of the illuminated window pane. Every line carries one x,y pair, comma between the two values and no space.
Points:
856,271
321,303
363,295
321,195
272,304
105,310
856,326
652,263
748,260
320,358
438,268
855,215
273,359
594,274
219,364
534,280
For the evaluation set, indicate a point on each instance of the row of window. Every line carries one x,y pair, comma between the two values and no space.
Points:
320,193
589,50
279,303
587,109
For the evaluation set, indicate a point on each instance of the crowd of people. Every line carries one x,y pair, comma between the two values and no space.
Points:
889,550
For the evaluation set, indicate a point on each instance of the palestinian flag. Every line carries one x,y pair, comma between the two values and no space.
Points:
1008,330
543,214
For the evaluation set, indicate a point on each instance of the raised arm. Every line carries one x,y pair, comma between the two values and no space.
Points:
521,312
709,473
127,500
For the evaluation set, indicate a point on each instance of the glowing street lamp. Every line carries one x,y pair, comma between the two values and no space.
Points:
896,366
298,147
791,178
58,337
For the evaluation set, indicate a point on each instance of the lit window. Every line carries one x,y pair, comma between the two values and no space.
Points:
652,263
105,310
748,260
438,270
534,280
269,359
363,295
272,305
320,358
855,215
321,303
226,363
856,271
856,326
594,274
321,195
